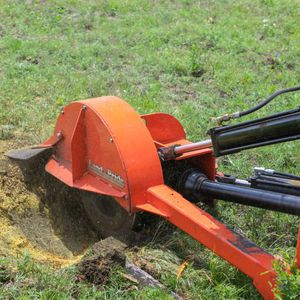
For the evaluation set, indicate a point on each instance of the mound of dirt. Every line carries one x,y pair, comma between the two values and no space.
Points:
96,268
40,215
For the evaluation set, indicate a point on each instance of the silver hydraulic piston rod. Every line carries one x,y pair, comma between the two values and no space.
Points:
193,146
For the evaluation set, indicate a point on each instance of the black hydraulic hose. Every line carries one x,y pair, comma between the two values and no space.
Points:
236,115
286,175
268,100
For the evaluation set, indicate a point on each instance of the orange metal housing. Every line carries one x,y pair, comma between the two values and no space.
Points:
102,145
107,149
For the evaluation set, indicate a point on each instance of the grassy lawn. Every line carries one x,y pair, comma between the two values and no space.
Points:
193,59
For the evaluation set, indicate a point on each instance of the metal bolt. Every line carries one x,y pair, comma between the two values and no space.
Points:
62,111
111,140
59,135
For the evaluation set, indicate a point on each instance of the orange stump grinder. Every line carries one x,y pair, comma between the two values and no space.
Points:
103,146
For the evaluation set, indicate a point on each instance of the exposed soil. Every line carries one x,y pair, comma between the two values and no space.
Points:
45,218
40,215
96,268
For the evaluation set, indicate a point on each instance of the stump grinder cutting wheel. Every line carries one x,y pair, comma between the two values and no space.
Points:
118,159
107,216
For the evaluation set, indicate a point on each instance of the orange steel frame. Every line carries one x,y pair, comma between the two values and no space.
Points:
102,145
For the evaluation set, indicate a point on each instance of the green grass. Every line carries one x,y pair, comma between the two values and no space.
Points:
193,59
29,280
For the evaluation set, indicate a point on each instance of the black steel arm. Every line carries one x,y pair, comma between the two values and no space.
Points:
277,128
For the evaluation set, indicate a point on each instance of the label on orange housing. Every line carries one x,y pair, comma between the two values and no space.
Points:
107,174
